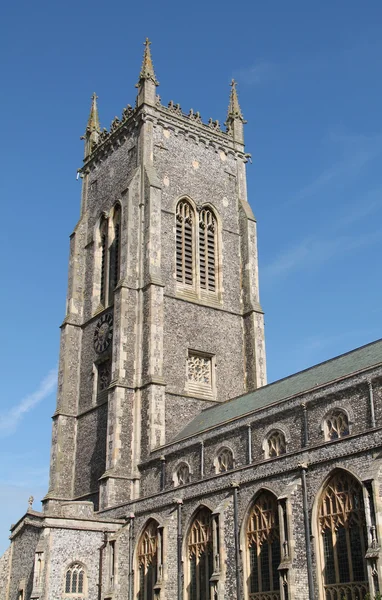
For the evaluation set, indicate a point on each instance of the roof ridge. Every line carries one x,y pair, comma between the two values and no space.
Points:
293,374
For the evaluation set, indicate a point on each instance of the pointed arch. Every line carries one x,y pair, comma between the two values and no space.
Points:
149,560
75,580
340,523
262,548
185,242
199,552
208,249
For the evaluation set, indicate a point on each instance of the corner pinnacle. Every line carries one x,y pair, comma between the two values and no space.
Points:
93,121
234,110
147,69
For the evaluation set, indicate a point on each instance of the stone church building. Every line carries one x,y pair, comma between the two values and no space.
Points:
176,472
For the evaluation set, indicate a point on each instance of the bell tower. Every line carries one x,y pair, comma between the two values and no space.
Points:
163,316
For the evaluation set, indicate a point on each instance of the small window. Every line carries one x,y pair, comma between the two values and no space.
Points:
224,461
182,475
336,425
75,580
200,375
276,444
104,376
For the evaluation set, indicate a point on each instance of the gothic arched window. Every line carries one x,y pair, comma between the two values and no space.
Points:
185,223
275,444
207,250
341,523
75,580
263,542
224,460
148,562
115,262
182,475
200,556
103,248
336,425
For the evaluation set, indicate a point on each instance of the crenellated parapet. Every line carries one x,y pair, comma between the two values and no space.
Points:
148,106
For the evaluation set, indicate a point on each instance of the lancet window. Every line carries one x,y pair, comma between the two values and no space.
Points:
336,425
275,444
341,522
149,561
263,547
200,556
75,580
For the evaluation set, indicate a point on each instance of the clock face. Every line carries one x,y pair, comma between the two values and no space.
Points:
103,333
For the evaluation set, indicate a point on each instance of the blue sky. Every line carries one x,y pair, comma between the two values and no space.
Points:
309,78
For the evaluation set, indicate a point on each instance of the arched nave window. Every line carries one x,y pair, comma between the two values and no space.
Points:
200,556
341,523
149,561
263,549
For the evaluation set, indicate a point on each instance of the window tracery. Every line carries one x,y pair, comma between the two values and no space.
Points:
263,543
276,444
200,556
342,527
336,425
148,573
75,580
200,374
182,475
224,461
196,248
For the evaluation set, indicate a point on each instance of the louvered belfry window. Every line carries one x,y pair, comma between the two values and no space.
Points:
342,527
185,243
263,539
207,250
103,234
117,245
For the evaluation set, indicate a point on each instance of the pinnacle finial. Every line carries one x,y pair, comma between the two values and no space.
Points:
93,121
234,110
147,69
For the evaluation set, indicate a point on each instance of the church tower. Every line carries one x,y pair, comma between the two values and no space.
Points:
163,316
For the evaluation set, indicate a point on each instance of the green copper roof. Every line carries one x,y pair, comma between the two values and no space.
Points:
321,374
